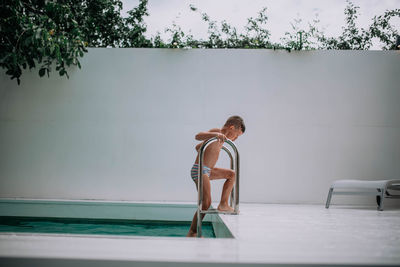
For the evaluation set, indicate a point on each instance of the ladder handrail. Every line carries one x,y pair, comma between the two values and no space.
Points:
232,168
235,191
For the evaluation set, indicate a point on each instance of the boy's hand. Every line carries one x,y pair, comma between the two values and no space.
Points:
221,137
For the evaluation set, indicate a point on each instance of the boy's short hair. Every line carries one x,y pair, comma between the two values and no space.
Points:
237,122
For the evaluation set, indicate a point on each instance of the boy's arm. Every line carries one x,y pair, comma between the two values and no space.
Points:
198,146
202,136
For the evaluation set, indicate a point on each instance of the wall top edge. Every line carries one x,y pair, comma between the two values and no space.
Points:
245,50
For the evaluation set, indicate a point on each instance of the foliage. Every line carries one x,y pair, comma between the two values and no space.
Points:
381,29
301,38
99,21
351,37
133,28
256,34
38,33
224,35
47,33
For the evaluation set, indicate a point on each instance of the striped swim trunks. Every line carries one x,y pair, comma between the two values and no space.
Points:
195,171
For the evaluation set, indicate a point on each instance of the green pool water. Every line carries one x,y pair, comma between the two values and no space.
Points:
98,226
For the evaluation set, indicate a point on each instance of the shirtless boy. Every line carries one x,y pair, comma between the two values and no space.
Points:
233,128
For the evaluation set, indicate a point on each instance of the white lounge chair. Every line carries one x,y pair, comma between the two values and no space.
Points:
379,188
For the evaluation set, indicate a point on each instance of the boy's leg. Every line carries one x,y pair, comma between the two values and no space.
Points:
229,175
206,204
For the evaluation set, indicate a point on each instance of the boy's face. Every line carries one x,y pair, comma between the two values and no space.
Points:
233,133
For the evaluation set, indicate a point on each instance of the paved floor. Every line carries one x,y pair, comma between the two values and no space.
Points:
313,234
264,233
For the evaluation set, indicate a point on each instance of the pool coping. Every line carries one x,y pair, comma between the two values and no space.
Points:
125,212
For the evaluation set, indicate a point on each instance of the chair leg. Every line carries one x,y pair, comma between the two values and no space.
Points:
328,200
378,200
382,197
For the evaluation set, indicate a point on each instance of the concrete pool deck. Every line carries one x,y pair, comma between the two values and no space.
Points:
266,234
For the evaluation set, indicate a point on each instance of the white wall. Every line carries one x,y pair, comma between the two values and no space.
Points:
123,127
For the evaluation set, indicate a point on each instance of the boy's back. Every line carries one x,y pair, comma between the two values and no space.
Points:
211,154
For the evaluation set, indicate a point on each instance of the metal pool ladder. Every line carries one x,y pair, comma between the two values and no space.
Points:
234,200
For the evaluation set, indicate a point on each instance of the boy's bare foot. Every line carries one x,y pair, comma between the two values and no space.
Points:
225,207
191,234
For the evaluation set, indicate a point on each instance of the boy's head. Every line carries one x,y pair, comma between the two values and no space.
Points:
234,127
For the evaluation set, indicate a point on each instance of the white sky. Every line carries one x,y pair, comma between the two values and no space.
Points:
280,13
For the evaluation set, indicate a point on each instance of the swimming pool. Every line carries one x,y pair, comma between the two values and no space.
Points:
104,218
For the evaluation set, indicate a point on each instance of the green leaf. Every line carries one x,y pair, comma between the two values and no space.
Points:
31,63
42,72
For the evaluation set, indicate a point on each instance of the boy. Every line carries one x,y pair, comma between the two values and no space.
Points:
233,128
